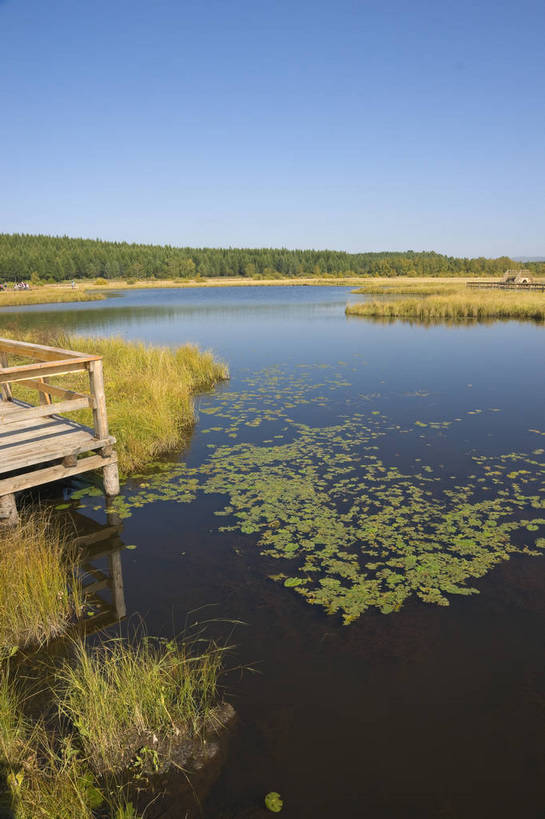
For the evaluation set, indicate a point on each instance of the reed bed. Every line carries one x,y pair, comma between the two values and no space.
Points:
121,696
469,304
407,286
45,295
149,394
39,590
149,390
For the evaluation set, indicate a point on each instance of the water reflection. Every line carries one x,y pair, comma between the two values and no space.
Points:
101,572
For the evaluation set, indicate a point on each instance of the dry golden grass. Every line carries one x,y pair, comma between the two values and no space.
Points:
149,393
46,295
409,286
149,390
469,304
39,590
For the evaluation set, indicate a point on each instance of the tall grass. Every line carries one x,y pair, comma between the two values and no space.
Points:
470,304
121,697
408,286
149,393
149,390
39,590
45,295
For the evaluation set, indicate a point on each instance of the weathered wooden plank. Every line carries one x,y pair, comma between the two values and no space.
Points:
34,431
47,410
66,423
31,455
53,389
43,370
35,425
41,351
53,473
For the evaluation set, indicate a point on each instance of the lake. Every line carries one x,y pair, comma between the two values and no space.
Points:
358,511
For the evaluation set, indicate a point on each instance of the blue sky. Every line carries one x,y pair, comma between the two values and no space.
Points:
351,125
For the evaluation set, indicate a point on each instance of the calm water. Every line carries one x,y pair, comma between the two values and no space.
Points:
430,711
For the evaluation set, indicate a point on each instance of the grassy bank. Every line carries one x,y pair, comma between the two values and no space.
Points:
149,393
149,390
46,295
469,304
123,714
409,286
124,697
281,281
95,290
39,591
83,729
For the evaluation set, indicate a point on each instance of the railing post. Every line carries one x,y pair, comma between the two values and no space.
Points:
96,379
43,397
8,511
5,388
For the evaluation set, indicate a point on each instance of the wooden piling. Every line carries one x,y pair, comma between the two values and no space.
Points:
8,511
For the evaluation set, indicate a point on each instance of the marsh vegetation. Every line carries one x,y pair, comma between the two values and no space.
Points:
40,593
149,389
46,295
82,728
454,304
369,497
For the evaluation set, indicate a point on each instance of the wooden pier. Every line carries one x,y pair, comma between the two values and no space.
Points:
38,444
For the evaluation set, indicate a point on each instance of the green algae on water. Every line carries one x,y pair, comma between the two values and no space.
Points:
350,530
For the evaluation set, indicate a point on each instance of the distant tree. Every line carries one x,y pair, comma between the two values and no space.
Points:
187,268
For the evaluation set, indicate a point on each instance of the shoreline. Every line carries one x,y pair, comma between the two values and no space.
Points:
89,291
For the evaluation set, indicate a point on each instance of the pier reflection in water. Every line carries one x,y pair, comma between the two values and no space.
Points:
101,572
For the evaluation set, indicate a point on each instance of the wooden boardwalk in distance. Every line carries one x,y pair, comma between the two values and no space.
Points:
484,285
38,444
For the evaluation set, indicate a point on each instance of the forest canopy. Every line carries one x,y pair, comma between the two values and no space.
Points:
57,258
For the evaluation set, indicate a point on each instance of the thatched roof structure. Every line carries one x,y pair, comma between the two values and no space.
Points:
517,277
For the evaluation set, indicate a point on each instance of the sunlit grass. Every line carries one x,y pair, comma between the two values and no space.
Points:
149,393
408,286
149,390
121,696
39,591
46,295
469,304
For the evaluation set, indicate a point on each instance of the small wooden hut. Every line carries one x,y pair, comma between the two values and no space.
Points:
517,277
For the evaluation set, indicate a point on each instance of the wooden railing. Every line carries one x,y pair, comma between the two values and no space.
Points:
48,362
484,285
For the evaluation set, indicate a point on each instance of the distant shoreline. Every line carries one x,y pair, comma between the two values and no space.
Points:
86,290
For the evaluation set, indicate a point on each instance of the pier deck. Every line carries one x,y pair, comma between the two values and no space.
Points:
38,444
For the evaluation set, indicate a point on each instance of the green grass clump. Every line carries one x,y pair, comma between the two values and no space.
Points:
469,304
39,592
53,782
121,696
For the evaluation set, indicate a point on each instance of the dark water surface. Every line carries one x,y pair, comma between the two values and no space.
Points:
428,711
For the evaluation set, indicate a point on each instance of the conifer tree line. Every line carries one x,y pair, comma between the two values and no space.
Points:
57,258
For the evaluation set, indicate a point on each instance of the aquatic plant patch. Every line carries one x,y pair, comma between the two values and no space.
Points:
350,528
